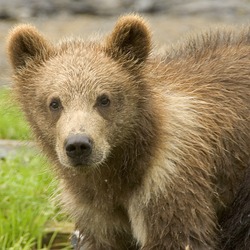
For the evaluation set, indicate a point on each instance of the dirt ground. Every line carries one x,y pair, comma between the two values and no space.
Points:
167,29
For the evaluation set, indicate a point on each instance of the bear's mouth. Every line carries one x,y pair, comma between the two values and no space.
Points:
82,163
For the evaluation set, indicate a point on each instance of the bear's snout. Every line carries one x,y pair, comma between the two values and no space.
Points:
78,148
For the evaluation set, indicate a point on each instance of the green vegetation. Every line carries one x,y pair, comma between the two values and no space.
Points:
24,207
26,188
12,124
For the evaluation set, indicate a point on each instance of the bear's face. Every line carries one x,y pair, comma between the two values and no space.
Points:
86,102
81,98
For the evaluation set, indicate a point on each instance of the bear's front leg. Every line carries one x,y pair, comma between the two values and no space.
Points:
82,242
104,228
173,222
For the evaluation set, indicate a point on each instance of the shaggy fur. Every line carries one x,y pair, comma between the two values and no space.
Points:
235,223
169,147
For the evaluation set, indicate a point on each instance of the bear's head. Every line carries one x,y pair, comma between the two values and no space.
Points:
82,99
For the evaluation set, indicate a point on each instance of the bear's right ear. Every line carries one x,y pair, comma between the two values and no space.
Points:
130,40
26,44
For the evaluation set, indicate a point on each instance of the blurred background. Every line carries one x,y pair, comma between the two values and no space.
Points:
29,217
169,19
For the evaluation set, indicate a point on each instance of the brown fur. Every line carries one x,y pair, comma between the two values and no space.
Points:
170,150
235,223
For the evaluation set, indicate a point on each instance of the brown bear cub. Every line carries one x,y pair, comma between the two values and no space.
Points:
149,149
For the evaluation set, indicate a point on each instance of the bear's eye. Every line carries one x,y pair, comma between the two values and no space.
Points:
55,104
103,101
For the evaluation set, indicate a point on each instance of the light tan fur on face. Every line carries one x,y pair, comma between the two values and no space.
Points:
170,150
87,123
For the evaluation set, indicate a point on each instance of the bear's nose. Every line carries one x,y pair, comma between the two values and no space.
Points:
78,146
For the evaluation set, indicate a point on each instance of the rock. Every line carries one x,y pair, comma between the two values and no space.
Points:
16,9
212,6
8,147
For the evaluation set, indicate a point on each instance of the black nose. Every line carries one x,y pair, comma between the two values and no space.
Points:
78,146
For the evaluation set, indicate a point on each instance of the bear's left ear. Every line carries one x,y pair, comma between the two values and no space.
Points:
130,40
26,44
